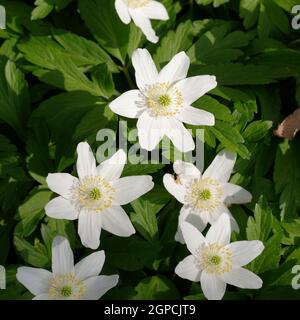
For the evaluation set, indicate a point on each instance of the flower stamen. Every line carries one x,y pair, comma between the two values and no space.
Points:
95,194
136,3
66,291
163,99
92,193
215,259
204,194
66,287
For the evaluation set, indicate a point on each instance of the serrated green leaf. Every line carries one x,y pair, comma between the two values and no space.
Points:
156,287
101,18
287,177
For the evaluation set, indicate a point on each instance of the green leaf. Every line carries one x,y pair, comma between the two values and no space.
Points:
257,130
174,42
101,18
220,111
216,3
218,45
32,211
156,287
84,52
292,227
74,109
129,253
14,98
146,208
103,77
287,178
270,257
42,9
267,14
239,74
56,227
132,169
229,137
260,227
59,67
35,255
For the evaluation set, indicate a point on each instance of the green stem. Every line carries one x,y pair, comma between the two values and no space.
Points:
128,78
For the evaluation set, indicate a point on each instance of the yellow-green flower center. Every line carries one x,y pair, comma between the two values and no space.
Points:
164,100
66,287
215,260
205,194
95,194
66,291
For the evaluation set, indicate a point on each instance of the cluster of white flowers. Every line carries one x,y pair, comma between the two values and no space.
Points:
161,103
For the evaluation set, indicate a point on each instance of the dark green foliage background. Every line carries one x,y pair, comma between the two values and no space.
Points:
62,61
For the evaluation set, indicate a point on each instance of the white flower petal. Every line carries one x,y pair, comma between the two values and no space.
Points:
61,183
179,135
34,279
244,252
90,266
195,87
235,194
150,131
144,23
187,269
128,104
62,256
145,69
86,163
111,169
216,214
242,278
184,212
192,237
96,287
122,11
131,188
220,231
179,236
221,167
61,208
212,286
186,170
195,219
176,69
89,229
197,117
155,10
42,296
116,221
176,189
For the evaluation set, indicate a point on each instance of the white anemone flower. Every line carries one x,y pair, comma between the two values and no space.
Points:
214,261
66,281
205,196
95,198
163,101
141,11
